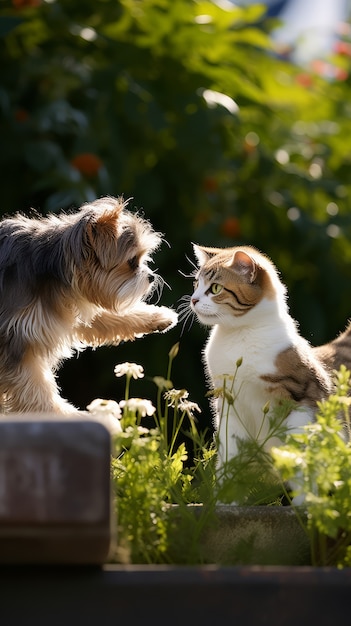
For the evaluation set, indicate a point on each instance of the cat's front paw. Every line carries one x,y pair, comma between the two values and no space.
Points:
164,319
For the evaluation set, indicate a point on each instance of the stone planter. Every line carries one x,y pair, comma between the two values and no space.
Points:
256,535
240,535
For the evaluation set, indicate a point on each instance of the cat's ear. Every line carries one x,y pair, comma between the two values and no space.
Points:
244,265
203,254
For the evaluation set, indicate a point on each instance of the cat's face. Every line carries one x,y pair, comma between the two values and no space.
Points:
230,283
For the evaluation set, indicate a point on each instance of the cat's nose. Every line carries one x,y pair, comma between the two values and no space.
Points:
194,301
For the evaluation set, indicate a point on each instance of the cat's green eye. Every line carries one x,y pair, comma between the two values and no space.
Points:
216,288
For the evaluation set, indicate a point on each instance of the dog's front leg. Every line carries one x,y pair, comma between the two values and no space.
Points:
112,328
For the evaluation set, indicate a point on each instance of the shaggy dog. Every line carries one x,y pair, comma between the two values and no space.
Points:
66,282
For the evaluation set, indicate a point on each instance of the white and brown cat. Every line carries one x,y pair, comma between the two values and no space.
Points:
239,294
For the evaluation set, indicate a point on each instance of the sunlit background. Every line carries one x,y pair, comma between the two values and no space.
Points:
225,123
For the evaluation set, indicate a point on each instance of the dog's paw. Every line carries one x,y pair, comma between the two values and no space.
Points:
164,319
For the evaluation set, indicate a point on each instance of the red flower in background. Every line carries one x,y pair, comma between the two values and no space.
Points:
21,115
329,71
210,184
87,163
343,47
304,79
230,227
23,4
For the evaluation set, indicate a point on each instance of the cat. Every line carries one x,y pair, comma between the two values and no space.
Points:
239,294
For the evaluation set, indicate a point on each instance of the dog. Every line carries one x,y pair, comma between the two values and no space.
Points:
69,281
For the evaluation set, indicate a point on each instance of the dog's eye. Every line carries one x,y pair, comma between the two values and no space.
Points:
133,263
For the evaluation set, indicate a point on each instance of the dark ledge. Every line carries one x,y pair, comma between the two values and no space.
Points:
159,595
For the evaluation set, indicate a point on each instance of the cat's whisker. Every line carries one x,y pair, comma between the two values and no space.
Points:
192,263
184,301
193,273
189,316
191,276
220,316
185,312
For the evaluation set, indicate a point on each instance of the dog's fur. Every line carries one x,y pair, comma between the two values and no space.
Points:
66,282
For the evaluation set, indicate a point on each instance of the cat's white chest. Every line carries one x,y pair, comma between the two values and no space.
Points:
255,348
225,349
237,358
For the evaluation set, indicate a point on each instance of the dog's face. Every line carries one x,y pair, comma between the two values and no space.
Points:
113,271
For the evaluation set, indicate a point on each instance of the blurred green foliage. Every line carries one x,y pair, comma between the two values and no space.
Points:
125,97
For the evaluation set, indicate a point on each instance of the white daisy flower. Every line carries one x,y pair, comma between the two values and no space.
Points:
131,370
189,407
174,396
138,406
107,412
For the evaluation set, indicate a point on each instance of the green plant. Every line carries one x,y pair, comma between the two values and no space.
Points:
161,463
149,469
318,460
249,478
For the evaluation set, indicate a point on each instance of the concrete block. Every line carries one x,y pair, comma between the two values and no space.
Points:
55,491
257,535
230,535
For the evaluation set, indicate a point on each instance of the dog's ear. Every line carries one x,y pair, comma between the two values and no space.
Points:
101,232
